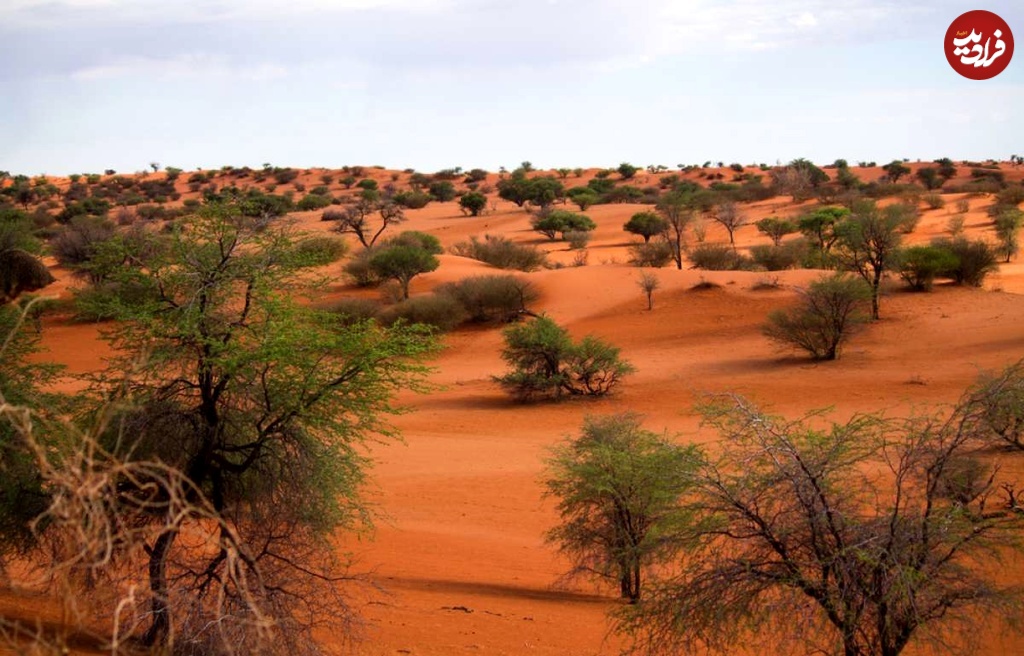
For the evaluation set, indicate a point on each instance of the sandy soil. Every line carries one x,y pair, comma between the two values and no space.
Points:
459,553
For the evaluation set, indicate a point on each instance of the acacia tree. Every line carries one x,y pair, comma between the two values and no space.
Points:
856,538
895,170
546,363
730,217
405,257
261,403
355,219
775,228
677,210
646,224
869,244
619,491
830,311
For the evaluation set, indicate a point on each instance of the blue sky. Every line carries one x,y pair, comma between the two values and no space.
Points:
95,84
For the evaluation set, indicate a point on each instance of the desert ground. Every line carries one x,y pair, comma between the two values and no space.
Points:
458,563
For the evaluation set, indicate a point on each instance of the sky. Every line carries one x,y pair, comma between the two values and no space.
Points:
88,85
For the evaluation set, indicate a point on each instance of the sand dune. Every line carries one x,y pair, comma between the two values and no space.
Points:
459,554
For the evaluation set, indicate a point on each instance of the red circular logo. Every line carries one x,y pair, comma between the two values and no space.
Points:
979,45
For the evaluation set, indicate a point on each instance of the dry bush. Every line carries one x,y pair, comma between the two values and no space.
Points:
501,252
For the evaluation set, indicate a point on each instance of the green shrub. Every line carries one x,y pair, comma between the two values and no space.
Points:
473,203
920,265
716,257
367,184
646,224
311,202
404,257
583,197
1007,225
437,310
553,222
17,231
831,309
501,298
651,254
321,250
775,228
501,252
412,200
974,260
545,363
442,191
627,170
781,257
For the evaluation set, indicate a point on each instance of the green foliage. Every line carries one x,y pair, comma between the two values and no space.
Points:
819,226
974,260
17,231
895,170
367,184
583,197
499,298
412,200
930,178
778,258
442,191
775,228
601,186
619,490
473,203
319,251
947,169
311,202
831,310
868,243
646,224
23,493
552,222
920,265
501,252
405,257
476,175
263,403
545,363
627,170
541,191
1007,225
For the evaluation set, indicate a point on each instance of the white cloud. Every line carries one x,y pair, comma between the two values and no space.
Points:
805,19
196,65
58,12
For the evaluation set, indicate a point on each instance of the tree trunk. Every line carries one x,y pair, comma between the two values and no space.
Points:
160,629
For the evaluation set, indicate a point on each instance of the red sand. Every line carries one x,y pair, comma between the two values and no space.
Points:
459,552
